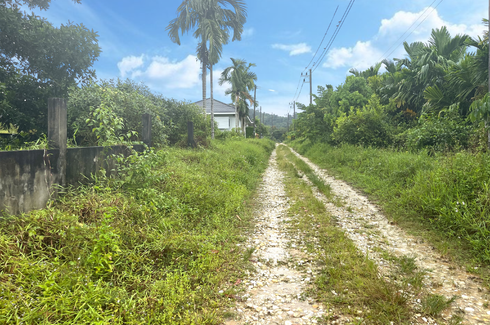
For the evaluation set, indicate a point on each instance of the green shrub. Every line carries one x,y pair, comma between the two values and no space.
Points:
124,99
366,126
438,134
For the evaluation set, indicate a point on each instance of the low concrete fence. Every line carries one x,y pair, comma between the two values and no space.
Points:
29,178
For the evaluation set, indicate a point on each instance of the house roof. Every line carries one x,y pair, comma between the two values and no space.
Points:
219,107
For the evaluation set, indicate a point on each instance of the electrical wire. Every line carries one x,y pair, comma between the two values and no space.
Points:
336,32
328,28
416,27
396,42
327,48
297,88
299,91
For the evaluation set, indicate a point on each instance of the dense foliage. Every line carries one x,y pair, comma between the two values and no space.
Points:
157,245
38,61
129,101
424,100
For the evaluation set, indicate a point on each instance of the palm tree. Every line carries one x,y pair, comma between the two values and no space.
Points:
427,65
242,81
214,21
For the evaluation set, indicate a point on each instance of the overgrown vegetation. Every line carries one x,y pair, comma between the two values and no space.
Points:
157,244
413,136
434,99
349,282
447,194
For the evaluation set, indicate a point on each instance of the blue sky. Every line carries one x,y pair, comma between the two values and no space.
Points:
280,37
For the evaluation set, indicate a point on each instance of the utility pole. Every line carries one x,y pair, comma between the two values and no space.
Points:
255,96
294,110
293,105
488,69
311,85
311,90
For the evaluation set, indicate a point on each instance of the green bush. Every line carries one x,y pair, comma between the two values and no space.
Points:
438,134
366,126
125,99
176,116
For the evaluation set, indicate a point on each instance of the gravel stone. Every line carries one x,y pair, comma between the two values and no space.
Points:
275,290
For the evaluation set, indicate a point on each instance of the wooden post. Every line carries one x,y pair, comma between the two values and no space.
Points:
146,131
190,134
57,135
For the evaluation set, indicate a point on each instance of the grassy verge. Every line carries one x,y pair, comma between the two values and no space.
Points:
444,198
349,283
155,246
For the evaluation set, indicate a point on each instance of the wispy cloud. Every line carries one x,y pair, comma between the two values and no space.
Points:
293,49
247,32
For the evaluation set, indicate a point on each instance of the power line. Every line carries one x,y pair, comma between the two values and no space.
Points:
299,92
336,32
331,20
396,42
416,27
327,48
297,87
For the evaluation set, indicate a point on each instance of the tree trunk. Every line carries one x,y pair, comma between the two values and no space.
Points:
204,70
212,102
236,116
243,126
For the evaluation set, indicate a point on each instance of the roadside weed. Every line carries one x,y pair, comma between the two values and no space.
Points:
154,245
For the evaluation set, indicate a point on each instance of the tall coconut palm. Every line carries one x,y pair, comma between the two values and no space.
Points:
242,81
214,21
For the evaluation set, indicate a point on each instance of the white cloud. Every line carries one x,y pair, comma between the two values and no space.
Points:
129,63
247,32
293,49
173,74
361,56
388,41
391,29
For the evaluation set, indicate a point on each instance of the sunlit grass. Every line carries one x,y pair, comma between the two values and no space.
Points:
158,245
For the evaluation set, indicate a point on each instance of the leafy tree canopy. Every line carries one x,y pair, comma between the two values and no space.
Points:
38,61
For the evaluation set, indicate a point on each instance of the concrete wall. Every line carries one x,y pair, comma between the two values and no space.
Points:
81,163
26,177
25,180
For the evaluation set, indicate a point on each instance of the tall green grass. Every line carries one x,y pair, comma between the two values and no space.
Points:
157,245
447,193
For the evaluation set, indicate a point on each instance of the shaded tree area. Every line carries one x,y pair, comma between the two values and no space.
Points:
434,97
37,61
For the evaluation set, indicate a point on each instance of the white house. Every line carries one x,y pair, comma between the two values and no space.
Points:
224,114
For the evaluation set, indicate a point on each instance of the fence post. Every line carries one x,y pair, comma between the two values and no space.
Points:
146,132
57,135
190,134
